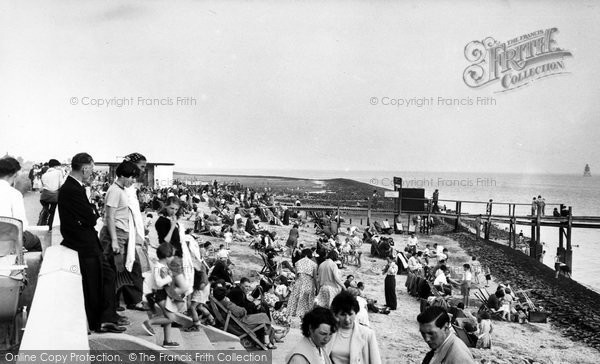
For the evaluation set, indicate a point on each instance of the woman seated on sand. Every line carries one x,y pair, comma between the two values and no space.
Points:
250,227
278,312
362,317
221,270
441,281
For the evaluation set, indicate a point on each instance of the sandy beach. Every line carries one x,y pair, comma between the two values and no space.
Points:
397,333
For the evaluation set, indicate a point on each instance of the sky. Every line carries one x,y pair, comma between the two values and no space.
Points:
297,85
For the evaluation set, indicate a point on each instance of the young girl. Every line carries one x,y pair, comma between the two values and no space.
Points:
199,299
505,304
228,235
485,329
488,275
465,285
158,281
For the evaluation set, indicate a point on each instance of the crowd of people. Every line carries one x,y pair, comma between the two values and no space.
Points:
178,273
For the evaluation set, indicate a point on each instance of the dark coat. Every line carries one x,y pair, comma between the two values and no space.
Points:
78,219
238,296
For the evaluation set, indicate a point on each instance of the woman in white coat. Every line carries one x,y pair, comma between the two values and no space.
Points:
352,343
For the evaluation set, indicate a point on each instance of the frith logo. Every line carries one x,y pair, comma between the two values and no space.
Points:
514,63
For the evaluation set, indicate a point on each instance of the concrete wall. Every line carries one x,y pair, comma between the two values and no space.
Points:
57,319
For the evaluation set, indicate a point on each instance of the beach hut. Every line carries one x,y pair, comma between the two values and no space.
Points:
158,174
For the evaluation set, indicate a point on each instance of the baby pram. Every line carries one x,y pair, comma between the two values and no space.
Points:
12,278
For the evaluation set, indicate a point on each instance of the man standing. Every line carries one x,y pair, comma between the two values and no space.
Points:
434,325
413,243
78,221
436,196
541,202
51,182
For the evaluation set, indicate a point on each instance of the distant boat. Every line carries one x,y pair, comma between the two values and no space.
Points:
586,171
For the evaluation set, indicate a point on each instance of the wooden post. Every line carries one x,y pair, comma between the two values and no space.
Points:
369,213
538,230
510,227
532,246
513,221
569,253
457,221
478,227
561,232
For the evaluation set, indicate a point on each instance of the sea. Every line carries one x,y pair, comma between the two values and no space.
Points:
579,192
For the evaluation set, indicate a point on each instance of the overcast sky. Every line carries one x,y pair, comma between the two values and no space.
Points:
291,85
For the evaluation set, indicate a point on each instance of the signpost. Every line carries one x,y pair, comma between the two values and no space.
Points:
398,203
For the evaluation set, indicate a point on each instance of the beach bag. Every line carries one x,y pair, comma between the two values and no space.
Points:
538,317
142,257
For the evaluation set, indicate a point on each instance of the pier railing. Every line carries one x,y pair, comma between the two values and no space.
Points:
483,221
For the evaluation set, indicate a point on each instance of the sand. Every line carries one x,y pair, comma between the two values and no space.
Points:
397,333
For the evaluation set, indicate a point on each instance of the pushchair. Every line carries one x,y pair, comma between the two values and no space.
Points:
12,279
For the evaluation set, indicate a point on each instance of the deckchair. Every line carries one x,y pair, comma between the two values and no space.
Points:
377,227
403,260
233,325
462,334
484,293
386,228
400,228
484,306
270,270
526,298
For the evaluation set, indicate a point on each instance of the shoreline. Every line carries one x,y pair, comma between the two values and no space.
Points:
572,306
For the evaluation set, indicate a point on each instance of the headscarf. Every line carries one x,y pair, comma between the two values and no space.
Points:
134,157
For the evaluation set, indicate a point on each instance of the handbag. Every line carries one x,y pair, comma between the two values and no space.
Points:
49,196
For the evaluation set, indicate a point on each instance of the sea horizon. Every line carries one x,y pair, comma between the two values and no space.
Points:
343,173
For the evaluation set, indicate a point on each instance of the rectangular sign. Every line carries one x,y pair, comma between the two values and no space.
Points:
393,194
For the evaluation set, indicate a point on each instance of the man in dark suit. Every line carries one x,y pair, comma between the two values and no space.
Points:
77,226
237,295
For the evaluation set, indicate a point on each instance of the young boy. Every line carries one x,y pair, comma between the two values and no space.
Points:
159,280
